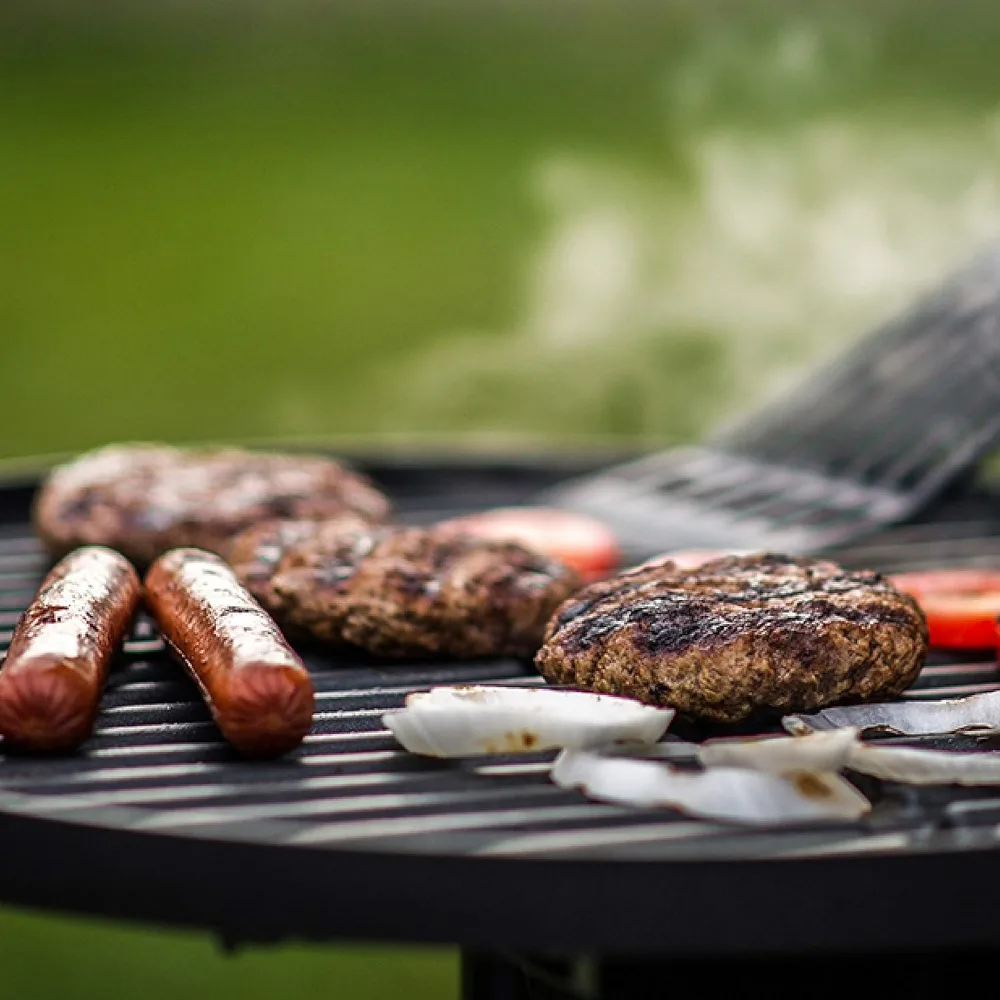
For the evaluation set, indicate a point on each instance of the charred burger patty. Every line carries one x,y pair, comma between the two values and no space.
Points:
399,592
738,637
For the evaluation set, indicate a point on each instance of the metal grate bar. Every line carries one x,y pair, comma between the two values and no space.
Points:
361,830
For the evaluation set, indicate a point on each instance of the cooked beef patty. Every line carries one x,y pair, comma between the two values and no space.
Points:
256,553
143,499
399,592
302,556
738,637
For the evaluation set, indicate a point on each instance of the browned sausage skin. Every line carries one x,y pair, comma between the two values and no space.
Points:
52,678
258,689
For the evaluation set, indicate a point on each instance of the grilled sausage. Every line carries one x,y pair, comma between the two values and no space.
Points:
51,680
258,690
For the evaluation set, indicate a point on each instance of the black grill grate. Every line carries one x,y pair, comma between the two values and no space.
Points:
156,763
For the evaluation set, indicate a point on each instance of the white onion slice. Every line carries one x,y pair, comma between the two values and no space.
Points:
818,752
842,748
907,718
727,794
474,720
914,766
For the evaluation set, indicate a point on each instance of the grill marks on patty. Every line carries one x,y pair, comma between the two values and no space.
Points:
711,610
257,552
404,591
738,636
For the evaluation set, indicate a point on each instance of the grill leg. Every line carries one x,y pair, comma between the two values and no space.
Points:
490,976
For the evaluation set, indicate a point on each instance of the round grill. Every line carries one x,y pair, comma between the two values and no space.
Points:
351,836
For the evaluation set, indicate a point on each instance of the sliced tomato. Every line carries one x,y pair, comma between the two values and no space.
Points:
961,605
582,542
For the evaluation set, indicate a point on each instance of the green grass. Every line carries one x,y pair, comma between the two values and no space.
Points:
231,235
368,220
44,957
622,220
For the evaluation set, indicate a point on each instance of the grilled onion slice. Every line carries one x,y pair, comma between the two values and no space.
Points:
818,752
914,766
469,721
977,713
842,749
726,794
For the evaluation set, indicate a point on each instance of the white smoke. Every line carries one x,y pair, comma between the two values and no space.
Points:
656,305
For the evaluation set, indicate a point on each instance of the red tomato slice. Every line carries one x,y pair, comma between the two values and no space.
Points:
961,605
581,542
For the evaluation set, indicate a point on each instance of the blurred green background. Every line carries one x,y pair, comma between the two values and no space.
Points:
502,221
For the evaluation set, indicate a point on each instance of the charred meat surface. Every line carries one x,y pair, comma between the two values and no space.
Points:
256,553
143,499
401,592
738,637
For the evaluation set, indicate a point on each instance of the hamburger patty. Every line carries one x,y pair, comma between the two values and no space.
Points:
738,637
143,499
256,552
399,592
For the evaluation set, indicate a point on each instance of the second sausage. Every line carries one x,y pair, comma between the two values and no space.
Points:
257,688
